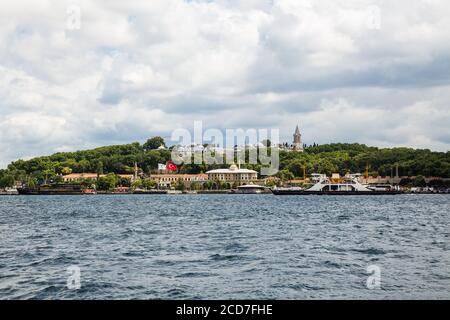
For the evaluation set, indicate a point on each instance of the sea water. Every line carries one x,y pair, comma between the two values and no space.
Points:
224,247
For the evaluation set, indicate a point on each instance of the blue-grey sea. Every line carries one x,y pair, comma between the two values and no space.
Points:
225,247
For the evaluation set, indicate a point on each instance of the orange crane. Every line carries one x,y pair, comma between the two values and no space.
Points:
366,173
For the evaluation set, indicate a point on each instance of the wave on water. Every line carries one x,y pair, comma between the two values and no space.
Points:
160,247
371,251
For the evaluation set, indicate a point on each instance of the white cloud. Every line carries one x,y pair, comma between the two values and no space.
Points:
374,72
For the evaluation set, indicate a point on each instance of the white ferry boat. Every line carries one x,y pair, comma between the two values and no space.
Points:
336,185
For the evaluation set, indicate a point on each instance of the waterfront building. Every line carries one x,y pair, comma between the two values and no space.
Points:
295,182
233,175
167,180
77,177
395,179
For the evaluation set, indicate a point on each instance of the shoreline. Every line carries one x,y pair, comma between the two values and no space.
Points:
230,193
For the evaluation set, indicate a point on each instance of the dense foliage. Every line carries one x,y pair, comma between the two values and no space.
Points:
327,159
354,158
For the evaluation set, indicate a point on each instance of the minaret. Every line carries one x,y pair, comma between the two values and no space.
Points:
297,145
135,171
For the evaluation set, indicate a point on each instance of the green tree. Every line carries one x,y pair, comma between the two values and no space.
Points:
88,183
180,185
225,186
208,185
149,184
66,170
196,186
48,174
271,183
84,165
107,182
7,181
57,179
419,181
99,167
405,182
154,143
123,181
137,184
285,175
32,182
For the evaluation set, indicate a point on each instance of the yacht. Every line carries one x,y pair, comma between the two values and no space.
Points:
9,191
252,189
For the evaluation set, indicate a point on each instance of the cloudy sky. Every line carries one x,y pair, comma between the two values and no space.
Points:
375,72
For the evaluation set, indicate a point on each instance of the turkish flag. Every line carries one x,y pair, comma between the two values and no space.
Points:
171,166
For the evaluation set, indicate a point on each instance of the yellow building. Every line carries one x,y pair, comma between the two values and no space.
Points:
77,177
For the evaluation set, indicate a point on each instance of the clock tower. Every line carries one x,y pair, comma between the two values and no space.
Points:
297,145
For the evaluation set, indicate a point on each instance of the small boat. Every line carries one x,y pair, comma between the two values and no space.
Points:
336,185
89,191
252,189
214,192
190,192
151,191
8,192
174,192
121,190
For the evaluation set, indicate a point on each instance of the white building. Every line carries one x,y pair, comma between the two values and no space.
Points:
233,174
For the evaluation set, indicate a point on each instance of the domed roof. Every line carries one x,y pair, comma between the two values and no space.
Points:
233,167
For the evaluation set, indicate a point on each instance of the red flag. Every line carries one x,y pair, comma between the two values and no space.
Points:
171,166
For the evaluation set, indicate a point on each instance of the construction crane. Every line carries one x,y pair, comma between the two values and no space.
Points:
366,173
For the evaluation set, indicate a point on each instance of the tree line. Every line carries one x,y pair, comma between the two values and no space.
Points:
328,158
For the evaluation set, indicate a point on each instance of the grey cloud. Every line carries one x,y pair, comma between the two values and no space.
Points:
148,67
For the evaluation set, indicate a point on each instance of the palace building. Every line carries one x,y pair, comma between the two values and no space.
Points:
233,174
167,180
77,177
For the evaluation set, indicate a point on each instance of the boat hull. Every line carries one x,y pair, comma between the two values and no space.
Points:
150,192
52,190
50,193
333,193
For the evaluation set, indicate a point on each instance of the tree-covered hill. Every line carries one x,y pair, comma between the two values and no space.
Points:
326,158
355,157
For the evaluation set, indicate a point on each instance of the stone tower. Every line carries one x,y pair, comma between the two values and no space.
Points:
297,145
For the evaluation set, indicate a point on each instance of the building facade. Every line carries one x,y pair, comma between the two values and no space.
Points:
233,175
168,180
77,177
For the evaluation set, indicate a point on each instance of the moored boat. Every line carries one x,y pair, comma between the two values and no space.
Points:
52,189
8,192
336,185
151,191
89,191
121,190
252,189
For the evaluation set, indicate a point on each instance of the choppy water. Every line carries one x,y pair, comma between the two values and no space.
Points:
224,246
